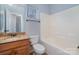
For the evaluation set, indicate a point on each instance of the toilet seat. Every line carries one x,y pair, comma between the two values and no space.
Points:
38,48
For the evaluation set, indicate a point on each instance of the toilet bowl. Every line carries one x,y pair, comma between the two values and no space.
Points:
38,48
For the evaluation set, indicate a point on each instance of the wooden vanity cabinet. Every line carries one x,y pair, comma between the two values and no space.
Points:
20,47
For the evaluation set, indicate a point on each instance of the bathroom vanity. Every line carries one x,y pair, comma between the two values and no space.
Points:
19,44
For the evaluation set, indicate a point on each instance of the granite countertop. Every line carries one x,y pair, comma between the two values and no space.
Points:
5,39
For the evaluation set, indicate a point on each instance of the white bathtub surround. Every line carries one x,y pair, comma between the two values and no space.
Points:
44,18
52,49
61,30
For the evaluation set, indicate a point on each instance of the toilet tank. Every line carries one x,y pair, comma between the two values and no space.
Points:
34,39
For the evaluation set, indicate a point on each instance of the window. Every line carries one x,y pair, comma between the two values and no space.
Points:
32,12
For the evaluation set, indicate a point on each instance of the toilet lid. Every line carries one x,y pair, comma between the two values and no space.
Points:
39,47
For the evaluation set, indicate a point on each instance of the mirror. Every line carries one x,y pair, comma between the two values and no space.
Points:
14,22
10,19
1,21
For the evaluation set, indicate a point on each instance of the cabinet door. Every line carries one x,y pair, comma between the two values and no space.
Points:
8,52
5,52
25,50
21,50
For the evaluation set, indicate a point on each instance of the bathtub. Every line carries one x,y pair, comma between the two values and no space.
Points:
59,47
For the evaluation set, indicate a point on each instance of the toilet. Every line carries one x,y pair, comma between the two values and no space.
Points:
39,49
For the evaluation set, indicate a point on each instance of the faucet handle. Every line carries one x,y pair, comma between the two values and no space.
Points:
78,46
